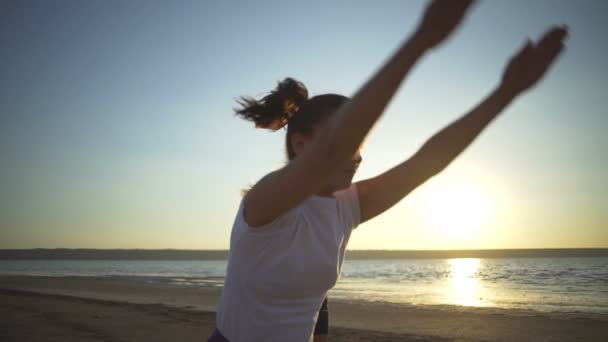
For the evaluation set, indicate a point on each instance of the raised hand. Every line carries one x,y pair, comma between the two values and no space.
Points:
441,17
533,60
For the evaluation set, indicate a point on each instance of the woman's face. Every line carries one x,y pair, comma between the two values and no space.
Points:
343,176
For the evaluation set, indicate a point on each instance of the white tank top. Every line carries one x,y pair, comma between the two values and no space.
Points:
278,274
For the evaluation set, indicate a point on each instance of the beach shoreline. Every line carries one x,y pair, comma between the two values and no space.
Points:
349,320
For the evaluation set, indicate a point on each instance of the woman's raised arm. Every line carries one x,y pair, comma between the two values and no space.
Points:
285,188
523,71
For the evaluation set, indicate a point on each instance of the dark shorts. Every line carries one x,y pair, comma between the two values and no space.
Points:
321,328
217,336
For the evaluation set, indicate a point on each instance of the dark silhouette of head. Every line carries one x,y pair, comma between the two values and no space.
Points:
289,105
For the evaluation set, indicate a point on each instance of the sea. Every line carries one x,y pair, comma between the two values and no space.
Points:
542,284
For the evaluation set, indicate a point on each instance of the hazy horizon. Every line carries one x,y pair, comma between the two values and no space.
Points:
118,132
384,249
180,254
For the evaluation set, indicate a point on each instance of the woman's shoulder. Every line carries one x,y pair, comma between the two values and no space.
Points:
282,220
348,205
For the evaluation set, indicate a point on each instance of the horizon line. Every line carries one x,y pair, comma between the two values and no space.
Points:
371,249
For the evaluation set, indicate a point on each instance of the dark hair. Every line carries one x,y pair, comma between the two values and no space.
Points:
289,105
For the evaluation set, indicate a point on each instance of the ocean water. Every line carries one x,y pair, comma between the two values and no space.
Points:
565,285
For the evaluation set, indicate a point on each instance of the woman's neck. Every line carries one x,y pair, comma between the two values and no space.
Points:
326,192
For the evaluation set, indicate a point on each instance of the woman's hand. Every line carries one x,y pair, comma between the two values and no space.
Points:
441,17
533,60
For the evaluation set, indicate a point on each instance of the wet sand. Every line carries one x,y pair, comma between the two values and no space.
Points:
37,308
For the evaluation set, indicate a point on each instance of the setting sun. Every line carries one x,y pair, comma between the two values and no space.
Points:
458,208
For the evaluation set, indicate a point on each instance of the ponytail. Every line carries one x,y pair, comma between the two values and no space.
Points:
275,109
278,109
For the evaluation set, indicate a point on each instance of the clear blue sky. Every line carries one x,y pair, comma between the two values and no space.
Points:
117,128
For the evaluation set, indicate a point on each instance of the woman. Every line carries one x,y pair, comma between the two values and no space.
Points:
291,230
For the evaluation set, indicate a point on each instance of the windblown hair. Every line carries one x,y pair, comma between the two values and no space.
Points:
289,105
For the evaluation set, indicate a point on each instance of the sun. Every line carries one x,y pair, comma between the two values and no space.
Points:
458,209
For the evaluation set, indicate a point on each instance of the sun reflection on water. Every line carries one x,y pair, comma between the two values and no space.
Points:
463,282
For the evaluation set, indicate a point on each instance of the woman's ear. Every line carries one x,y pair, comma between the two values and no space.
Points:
299,142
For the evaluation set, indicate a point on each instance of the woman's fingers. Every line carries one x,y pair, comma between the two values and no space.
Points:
452,10
557,33
532,61
550,46
440,18
552,39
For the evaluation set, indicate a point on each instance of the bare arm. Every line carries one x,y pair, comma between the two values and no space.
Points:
285,188
378,194
382,192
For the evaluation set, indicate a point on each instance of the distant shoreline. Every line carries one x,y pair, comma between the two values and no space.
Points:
182,254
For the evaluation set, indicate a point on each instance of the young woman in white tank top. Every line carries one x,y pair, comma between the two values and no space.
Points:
292,227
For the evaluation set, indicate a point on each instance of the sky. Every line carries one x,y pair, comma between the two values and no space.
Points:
117,127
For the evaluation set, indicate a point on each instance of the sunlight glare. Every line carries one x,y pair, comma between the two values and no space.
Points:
464,284
459,209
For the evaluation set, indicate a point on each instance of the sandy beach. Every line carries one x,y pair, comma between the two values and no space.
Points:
37,308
